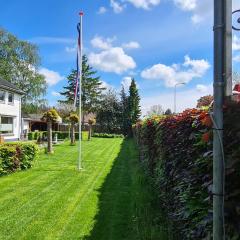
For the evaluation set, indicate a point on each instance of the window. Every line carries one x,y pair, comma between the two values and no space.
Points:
2,96
10,98
6,124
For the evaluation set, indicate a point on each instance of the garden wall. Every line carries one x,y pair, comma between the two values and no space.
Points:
177,153
16,156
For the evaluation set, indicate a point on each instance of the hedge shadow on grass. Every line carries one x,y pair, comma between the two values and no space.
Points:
126,202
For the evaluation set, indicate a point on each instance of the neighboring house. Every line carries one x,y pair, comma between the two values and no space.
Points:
34,122
10,111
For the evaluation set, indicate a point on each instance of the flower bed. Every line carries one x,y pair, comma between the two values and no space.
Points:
16,156
177,153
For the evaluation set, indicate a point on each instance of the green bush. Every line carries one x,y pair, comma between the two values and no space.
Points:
177,154
16,156
107,135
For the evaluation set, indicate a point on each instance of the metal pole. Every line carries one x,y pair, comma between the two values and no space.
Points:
228,47
218,158
80,94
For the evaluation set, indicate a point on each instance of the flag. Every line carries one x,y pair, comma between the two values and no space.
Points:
79,55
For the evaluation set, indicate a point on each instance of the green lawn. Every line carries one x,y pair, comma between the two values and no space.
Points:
109,199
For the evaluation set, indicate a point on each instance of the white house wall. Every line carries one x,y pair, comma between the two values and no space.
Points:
15,111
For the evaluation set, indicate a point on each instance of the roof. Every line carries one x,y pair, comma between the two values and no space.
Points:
9,86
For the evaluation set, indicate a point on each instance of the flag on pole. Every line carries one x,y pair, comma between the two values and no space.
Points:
79,54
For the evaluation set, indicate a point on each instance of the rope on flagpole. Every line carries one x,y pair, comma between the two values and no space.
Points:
80,93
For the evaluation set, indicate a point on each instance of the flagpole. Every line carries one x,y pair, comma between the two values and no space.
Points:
80,94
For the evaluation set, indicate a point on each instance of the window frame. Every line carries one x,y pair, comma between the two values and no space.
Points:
12,131
11,103
3,101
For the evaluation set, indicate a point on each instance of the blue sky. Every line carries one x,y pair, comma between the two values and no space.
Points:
159,43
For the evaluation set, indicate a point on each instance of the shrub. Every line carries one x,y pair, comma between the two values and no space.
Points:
177,153
107,135
16,156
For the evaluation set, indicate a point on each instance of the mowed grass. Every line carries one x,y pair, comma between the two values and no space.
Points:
109,199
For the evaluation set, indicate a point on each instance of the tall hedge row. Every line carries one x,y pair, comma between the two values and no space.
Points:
177,153
16,156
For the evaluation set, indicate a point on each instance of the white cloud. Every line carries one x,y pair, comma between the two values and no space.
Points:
117,7
204,88
236,43
102,43
55,94
186,5
131,45
200,9
236,58
177,73
144,4
185,99
126,82
101,10
112,60
51,77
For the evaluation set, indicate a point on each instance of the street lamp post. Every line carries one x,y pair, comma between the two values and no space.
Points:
175,96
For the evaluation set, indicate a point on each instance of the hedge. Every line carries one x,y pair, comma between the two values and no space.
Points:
107,135
43,134
16,156
177,153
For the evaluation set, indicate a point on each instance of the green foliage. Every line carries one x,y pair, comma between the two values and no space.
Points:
177,153
134,111
91,88
73,118
107,135
19,61
109,118
16,156
50,116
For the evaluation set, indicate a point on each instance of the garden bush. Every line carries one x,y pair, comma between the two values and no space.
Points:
16,156
107,135
177,153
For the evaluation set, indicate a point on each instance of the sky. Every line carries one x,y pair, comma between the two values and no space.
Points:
158,42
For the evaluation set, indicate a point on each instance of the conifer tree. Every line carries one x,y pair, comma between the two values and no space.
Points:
124,109
134,111
91,88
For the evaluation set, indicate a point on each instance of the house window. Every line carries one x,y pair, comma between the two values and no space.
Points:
6,124
2,96
10,98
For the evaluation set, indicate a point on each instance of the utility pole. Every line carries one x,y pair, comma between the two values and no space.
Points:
218,157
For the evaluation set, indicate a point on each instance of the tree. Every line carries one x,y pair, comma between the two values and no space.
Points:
65,110
74,119
109,114
204,101
236,78
19,62
124,110
91,122
134,111
91,89
50,117
168,112
155,110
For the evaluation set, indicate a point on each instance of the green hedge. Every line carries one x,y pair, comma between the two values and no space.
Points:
43,134
16,156
107,135
177,154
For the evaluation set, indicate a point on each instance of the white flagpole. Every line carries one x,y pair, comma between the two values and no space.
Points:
80,91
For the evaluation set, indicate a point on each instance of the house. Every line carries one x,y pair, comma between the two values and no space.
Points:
10,111
34,122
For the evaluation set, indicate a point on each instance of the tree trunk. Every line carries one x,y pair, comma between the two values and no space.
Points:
89,132
49,130
72,133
